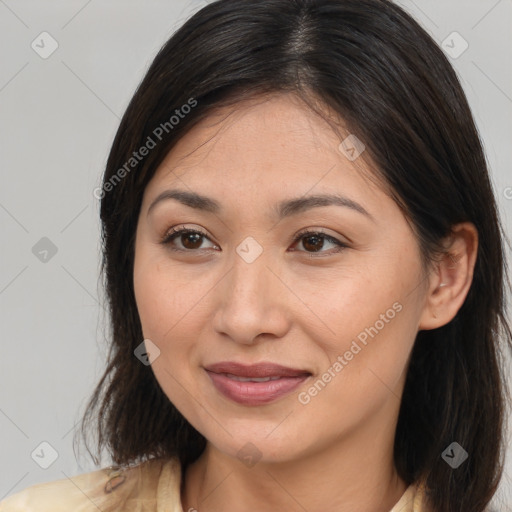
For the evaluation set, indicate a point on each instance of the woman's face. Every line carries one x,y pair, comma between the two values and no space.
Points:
341,309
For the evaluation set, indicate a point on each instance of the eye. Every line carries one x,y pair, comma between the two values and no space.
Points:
314,242
190,239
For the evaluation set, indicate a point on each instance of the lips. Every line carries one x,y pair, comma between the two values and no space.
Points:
256,384
260,370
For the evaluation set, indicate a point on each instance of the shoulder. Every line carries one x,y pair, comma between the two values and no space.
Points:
106,489
413,499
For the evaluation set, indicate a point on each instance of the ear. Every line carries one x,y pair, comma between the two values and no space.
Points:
450,281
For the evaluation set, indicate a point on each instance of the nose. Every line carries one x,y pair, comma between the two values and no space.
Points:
251,301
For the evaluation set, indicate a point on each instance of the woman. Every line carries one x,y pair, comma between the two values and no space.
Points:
305,271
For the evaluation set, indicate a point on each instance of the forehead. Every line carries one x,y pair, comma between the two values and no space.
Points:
272,146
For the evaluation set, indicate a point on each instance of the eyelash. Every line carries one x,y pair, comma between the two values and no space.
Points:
177,231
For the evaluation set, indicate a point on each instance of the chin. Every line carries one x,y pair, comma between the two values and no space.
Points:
252,444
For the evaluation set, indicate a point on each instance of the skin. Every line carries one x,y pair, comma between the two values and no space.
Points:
289,306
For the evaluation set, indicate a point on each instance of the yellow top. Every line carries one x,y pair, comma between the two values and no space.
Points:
152,486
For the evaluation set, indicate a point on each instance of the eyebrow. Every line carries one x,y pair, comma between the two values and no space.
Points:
284,209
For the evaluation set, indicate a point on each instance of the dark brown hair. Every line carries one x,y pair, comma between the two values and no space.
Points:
370,63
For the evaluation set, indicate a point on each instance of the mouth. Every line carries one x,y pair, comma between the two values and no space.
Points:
257,384
250,379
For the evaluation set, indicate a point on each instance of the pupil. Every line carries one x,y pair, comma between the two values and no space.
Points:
315,246
195,243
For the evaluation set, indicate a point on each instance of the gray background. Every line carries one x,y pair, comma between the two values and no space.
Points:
58,117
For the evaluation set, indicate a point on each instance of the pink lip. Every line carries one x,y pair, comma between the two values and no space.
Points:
263,369
255,393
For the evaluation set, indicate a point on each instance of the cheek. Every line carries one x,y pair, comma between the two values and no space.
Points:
371,320
364,372
150,298
155,289
166,316
345,308
169,301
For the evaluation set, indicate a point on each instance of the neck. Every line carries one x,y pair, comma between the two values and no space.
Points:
356,473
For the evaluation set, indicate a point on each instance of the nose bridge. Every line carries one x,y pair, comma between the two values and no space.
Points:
249,277
249,301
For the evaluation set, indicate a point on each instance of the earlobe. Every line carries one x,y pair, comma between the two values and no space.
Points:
451,280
